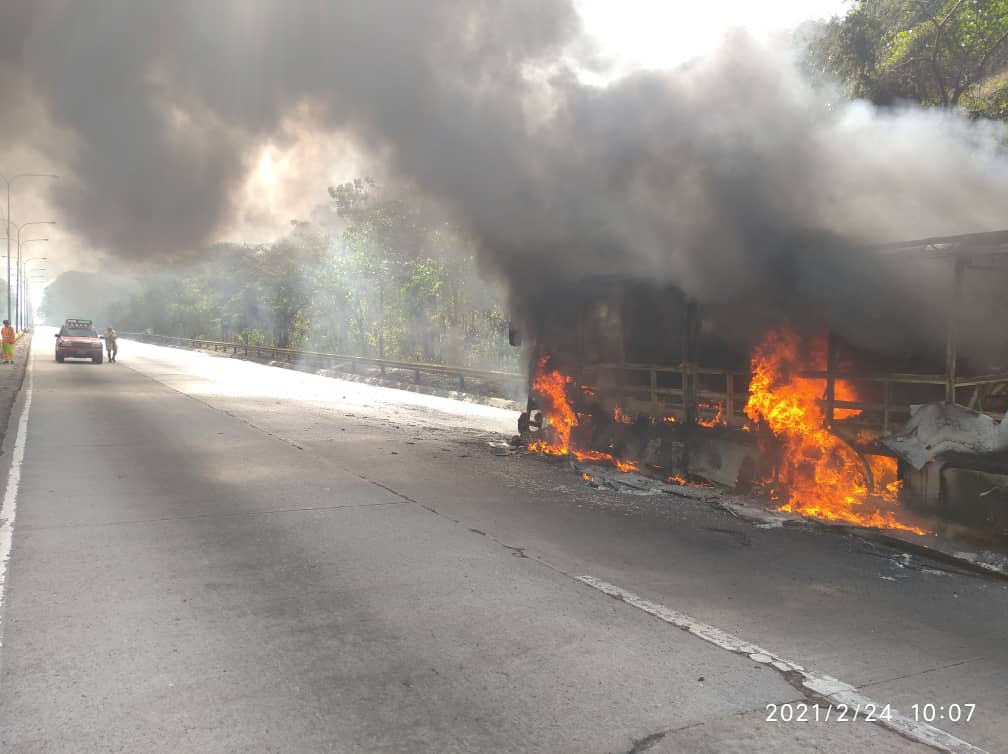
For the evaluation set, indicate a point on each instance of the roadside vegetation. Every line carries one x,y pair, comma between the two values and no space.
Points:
941,53
379,276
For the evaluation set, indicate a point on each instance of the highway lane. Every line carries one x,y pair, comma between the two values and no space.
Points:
213,555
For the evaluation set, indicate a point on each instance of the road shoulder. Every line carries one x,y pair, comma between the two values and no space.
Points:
11,380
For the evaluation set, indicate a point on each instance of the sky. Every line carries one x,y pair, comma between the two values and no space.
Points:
650,34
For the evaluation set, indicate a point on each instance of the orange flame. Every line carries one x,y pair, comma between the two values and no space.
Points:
718,419
820,475
620,418
551,385
817,349
844,391
682,481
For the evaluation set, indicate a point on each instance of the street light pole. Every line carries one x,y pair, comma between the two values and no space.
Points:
31,298
25,312
9,181
23,289
40,280
21,227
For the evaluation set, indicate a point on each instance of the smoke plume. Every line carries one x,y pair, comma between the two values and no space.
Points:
731,177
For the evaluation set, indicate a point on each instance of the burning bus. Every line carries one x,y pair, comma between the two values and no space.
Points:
644,377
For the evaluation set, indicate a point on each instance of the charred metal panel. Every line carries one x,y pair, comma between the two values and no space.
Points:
976,498
922,489
731,459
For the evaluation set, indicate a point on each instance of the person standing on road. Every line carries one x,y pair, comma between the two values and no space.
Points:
9,337
111,343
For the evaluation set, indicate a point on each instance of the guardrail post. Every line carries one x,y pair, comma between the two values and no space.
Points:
416,376
886,399
690,328
952,334
461,382
688,393
830,378
729,397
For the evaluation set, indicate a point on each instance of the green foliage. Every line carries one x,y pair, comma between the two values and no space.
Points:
947,53
397,282
79,294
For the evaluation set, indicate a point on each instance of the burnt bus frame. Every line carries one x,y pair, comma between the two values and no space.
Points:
928,489
693,400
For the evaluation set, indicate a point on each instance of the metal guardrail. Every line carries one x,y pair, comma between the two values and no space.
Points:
332,360
709,393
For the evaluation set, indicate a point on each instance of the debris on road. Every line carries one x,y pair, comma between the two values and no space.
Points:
943,548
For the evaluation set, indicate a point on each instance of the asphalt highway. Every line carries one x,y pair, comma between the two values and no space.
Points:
211,555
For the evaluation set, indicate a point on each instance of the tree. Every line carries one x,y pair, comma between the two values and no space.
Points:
947,53
82,294
397,282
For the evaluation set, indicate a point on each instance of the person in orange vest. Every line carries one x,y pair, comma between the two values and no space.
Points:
9,337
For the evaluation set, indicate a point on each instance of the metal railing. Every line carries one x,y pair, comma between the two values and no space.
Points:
645,387
702,393
324,360
682,391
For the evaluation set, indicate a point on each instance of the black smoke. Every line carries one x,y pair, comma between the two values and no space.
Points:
730,177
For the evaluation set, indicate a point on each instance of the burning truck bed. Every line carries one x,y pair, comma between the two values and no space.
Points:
641,376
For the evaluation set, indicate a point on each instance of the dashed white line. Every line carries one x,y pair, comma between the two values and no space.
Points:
8,511
825,687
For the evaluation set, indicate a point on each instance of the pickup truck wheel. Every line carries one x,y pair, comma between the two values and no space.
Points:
97,359
59,358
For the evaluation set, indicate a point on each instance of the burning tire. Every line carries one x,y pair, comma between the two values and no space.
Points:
530,425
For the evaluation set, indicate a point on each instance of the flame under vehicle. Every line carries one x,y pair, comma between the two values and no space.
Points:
78,339
640,376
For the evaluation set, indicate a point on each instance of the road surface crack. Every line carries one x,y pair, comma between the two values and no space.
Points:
919,673
385,487
643,744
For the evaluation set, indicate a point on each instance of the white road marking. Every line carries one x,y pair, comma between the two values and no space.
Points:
827,688
8,511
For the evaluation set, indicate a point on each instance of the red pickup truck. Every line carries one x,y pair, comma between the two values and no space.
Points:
78,339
